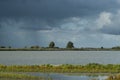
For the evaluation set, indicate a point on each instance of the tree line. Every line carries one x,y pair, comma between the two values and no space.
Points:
69,45
52,46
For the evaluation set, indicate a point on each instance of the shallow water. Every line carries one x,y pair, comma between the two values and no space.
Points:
59,57
62,76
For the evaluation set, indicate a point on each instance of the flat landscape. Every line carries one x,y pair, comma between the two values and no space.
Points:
59,39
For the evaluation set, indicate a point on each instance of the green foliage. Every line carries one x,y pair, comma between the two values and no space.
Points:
117,47
52,45
16,76
102,47
2,47
70,45
114,77
91,67
35,47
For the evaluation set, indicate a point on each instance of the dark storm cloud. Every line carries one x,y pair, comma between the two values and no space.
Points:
36,28
115,32
111,30
54,9
51,12
0,26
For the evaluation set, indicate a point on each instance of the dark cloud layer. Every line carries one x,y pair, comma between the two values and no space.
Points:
54,9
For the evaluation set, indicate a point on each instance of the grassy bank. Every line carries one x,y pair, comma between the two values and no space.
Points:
64,68
114,77
17,76
59,49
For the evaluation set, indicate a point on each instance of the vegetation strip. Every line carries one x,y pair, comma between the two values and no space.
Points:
15,76
114,77
52,47
64,68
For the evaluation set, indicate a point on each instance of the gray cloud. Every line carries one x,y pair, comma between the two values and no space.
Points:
112,27
52,12
111,31
54,9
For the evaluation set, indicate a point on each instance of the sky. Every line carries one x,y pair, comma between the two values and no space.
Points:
87,23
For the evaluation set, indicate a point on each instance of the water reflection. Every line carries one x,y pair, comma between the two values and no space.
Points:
60,76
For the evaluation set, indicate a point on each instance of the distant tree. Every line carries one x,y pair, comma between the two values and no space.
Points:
9,47
35,47
102,47
25,47
70,45
2,47
31,47
117,47
52,45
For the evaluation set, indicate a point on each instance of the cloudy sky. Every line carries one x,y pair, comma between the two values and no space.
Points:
87,23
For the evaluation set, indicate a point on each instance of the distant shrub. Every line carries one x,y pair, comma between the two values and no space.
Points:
35,47
70,45
2,47
52,45
117,47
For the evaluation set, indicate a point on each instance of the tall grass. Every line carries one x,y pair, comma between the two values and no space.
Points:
114,77
64,68
17,76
